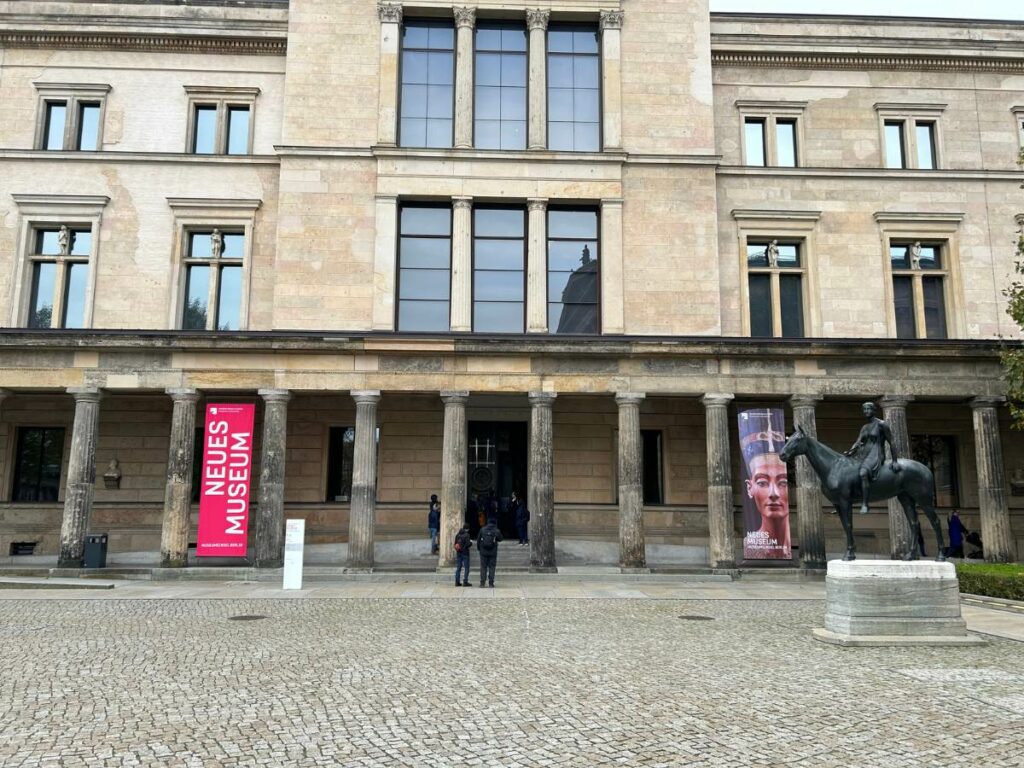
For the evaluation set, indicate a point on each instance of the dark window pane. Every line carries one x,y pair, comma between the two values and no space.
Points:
785,135
938,453
205,141
40,452
229,302
498,317
903,298
426,221
56,119
753,136
791,300
238,131
499,222
757,254
926,146
760,290
894,154
930,257
575,318
899,255
44,277
581,287
89,127
74,296
423,316
340,454
652,467
572,224
197,298
425,252
934,308
497,286
789,255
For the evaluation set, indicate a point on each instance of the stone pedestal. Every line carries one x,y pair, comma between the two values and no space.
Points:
893,603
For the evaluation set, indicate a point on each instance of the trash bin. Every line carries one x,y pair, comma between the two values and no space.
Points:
95,550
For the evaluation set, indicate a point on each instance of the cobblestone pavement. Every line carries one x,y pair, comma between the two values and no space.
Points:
391,682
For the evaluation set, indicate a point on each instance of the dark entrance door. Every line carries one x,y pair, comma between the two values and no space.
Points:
497,465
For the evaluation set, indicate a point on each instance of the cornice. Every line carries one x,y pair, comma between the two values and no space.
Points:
882,174
220,44
861,61
113,156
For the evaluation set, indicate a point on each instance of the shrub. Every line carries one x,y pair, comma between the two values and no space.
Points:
992,580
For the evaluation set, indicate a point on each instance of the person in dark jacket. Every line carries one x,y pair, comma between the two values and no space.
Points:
434,522
487,545
522,517
463,543
956,535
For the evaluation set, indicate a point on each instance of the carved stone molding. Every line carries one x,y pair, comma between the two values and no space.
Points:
465,16
537,18
462,201
389,13
611,19
537,203
779,60
268,46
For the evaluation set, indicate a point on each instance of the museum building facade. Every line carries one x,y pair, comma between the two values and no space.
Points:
543,247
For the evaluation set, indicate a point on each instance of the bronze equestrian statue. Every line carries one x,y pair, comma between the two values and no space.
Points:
868,477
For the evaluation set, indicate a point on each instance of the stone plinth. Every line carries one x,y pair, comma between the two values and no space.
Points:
885,602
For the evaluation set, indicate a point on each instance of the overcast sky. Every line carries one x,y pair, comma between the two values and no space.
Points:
958,9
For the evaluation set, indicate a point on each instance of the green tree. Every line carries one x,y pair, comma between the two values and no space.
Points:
1013,357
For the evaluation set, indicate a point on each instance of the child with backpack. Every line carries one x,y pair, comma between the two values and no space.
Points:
463,543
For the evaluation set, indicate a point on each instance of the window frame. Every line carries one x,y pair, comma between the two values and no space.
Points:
775,281
1018,122
449,205
14,441
74,96
501,24
786,227
931,228
770,113
223,99
662,465
328,428
953,441
472,255
431,21
911,115
201,214
570,206
216,267
917,276
575,26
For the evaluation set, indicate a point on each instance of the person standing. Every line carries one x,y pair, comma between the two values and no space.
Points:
487,545
522,517
956,535
434,522
463,543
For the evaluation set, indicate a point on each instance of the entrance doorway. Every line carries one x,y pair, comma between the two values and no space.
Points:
498,466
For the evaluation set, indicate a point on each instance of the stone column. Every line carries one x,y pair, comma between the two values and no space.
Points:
178,492
362,512
537,267
894,411
808,488
632,548
390,15
541,496
721,546
465,19
462,265
537,23
81,483
453,474
611,78
384,254
270,513
995,514
613,311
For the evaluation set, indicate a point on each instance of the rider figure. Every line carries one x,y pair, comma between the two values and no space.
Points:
870,451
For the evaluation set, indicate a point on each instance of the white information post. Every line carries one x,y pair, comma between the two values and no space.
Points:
294,538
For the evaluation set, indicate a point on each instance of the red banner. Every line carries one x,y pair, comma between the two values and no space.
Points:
225,482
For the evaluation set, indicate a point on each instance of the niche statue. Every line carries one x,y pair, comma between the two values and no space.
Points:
863,474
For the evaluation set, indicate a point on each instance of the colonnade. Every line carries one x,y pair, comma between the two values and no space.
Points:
269,519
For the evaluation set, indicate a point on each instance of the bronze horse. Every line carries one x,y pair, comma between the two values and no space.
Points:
913,486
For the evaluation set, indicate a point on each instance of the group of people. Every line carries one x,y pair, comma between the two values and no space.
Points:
480,523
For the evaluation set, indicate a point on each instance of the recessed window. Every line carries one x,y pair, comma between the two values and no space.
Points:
38,459
938,453
59,261
753,135
500,83
499,269
574,89
70,116
925,145
88,139
895,144
340,453
771,132
56,122
910,135
424,268
221,120
428,84
573,271
213,280
785,143
204,130
653,467
918,287
775,287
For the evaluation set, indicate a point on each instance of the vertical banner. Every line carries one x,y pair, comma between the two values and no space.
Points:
225,481
766,485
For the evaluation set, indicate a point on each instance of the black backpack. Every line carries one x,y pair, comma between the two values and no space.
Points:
462,542
488,540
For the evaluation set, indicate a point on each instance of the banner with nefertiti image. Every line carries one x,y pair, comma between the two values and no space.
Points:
766,485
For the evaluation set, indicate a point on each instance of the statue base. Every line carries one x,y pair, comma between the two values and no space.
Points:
893,603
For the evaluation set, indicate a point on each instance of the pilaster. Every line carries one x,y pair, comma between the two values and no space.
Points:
537,266
537,23
390,15
611,78
462,265
465,20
